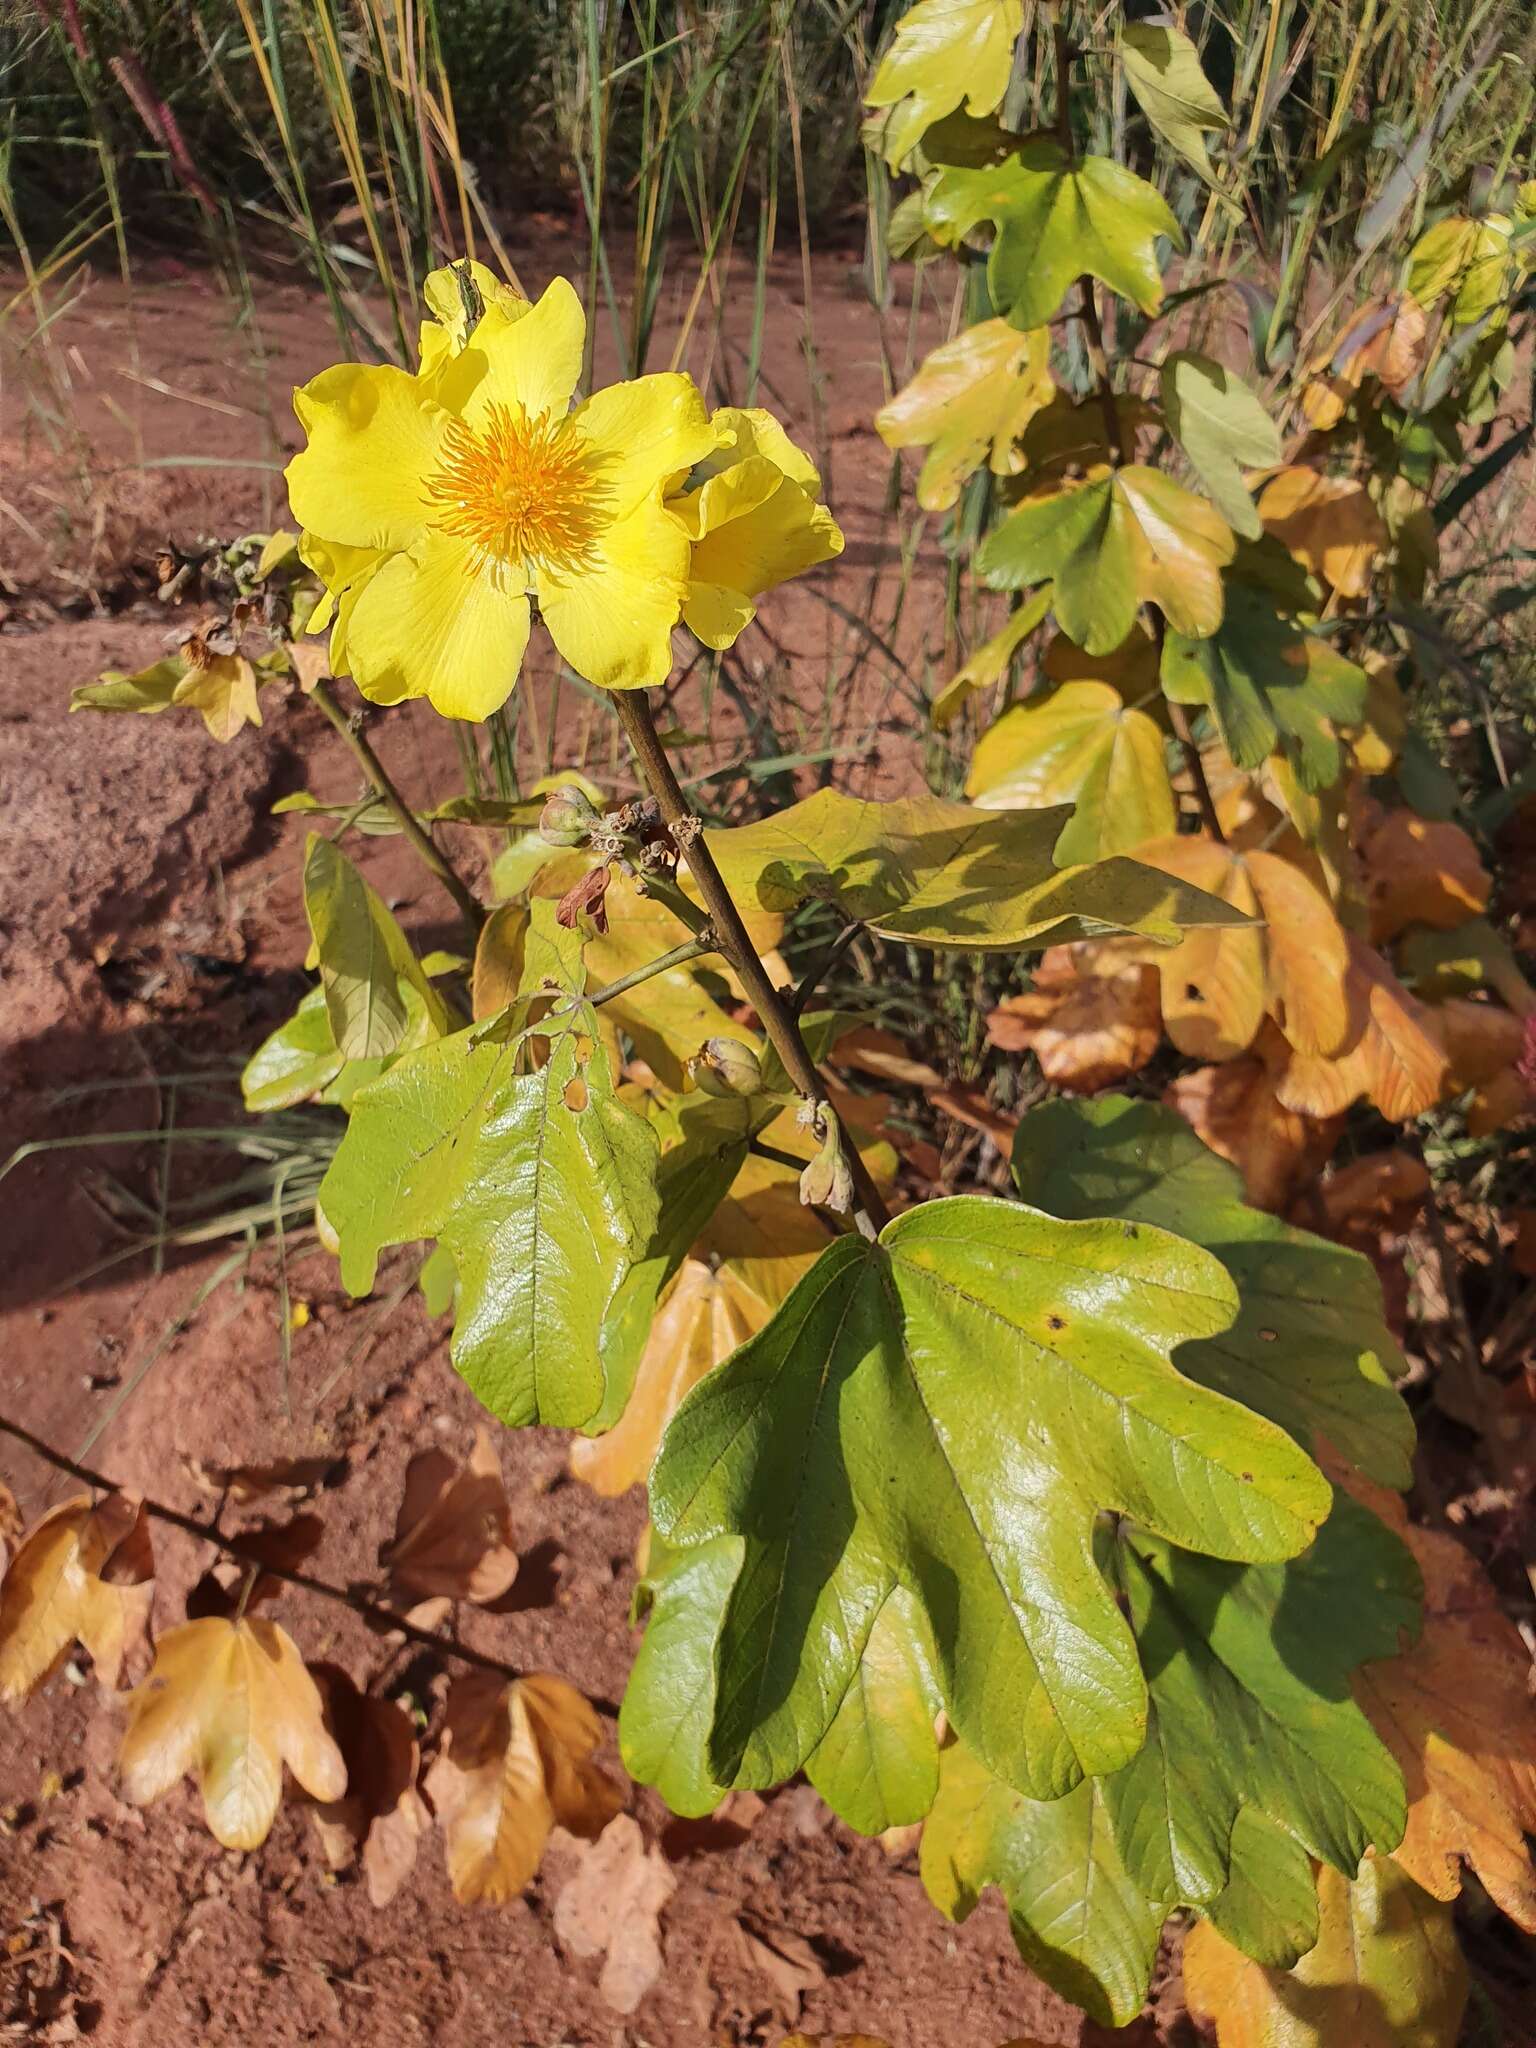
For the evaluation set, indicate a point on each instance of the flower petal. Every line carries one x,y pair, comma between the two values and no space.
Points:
613,623
728,494
775,540
749,430
716,615
438,622
648,432
532,360
338,569
373,437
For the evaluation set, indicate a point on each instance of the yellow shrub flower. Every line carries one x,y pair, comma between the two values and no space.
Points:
436,505
753,513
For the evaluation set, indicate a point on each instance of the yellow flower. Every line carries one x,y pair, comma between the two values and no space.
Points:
436,505
446,332
754,517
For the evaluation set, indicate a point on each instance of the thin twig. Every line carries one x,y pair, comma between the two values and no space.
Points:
250,1553
735,942
421,841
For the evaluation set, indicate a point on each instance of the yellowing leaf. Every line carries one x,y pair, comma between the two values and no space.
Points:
989,662
1219,984
1058,218
54,1595
453,1535
1090,1019
1118,538
1162,68
1418,871
702,1319
1469,259
229,1703
1456,1710
1328,523
1387,1972
1392,1053
1235,1110
969,402
513,1763
1080,746
1385,340
945,52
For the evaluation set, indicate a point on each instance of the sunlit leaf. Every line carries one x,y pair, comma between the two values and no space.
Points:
945,52
1236,1112
877,1766
1162,68
1392,1051
1384,339
1119,538
1222,427
1329,523
968,403
1083,746
1468,259
1420,872
229,1703
1058,218
376,994
53,1594
669,1702
989,663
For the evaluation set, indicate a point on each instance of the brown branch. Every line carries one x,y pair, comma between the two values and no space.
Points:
420,839
734,940
250,1553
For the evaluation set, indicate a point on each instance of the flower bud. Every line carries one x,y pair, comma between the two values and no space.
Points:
725,1066
567,819
827,1183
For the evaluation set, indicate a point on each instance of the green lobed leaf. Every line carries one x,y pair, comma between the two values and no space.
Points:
669,1702
1309,1347
1058,218
968,1392
878,1763
1248,1672
301,1062
1268,1906
1162,68
1271,687
1081,744
1077,1917
945,52
1223,429
948,874
378,997
1117,539
542,1186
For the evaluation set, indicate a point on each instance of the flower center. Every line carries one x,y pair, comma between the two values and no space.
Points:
524,487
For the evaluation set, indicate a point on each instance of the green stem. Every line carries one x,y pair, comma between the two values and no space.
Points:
690,949
734,940
420,839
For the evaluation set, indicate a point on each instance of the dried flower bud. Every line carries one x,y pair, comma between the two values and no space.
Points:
827,1183
567,819
725,1066
586,899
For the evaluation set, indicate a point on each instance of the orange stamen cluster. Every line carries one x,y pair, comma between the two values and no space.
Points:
524,487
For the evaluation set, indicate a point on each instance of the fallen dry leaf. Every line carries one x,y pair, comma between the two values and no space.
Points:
515,1759
612,1907
787,1961
229,1703
81,1575
1383,1191
1458,1712
969,1106
1235,1110
381,1816
1419,872
1088,1029
1393,1055
453,1535
1481,1040
705,1315
1328,523
10,1515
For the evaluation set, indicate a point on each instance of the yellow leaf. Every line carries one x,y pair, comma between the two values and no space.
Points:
1418,871
990,661
229,1702
1392,1055
453,1535
1328,523
53,1593
945,51
1385,340
1456,1711
703,1318
566,1728
487,1789
1080,745
968,403
1386,1973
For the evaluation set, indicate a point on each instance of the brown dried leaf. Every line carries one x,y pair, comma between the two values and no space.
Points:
612,1907
382,1816
969,1106
1498,1103
705,1315
229,1702
1087,1029
453,1535
292,1477
10,1515
514,1760
1328,523
227,1587
786,1960
1235,1110
1481,1041
1457,1711
1393,1053
67,1584
1385,340
1383,1191
1421,872
884,1055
